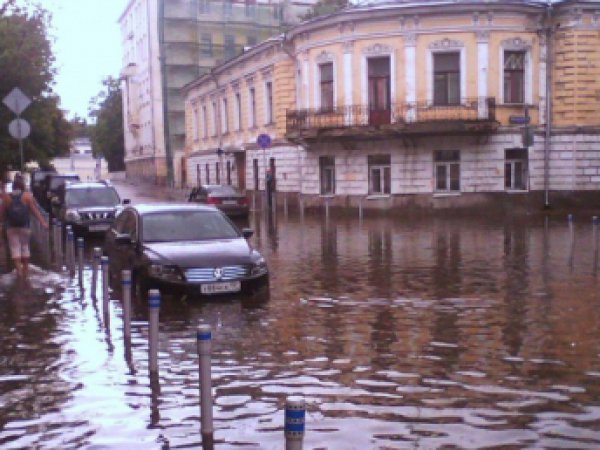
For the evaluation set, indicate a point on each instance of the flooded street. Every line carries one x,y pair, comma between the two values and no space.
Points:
399,334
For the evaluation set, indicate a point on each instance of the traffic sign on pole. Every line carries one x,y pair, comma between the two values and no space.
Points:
17,101
19,128
263,141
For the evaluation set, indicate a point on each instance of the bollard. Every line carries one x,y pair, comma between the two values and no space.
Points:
95,263
295,414
61,249
126,284
80,248
104,264
70,251
56,231
327,209
595,240
360,209
572,238
254,201
285,204
153,310
301,204
204,346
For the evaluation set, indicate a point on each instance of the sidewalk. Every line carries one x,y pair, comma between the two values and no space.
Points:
149,193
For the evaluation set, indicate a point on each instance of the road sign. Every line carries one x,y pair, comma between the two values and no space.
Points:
263,141
519,120
17,101
19,128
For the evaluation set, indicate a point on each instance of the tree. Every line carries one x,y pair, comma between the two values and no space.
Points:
323,7
107,135
27,62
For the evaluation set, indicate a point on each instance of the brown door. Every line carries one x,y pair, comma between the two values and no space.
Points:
379,90
240,165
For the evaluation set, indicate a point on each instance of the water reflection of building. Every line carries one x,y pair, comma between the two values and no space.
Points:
410,105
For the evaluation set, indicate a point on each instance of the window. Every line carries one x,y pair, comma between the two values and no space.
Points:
204,6
225,116
269,100
447,170
250,8
252,107
196,124
227,7
229,172
214,117
446,78
326,86
238,111
207,173
379,174
206,44
379,90
198,177
514,77
327,174
218,172
229,46
515,169
255,173
204,122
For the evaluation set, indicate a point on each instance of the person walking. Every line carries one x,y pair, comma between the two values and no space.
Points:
15,212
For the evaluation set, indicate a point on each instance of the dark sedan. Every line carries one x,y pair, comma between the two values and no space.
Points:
227,198
184,247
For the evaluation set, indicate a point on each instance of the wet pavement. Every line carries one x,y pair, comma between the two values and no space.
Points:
434,333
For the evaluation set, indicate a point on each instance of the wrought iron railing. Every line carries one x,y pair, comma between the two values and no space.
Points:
469,110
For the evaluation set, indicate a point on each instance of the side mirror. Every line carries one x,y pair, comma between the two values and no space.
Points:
123,239
126,201
247,233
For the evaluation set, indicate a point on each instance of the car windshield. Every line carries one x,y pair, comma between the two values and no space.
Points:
222,190
59,181
91,196
173,226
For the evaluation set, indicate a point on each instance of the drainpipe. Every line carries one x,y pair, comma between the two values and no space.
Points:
218,125
549,66
165,94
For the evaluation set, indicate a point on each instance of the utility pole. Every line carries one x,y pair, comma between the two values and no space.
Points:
165,92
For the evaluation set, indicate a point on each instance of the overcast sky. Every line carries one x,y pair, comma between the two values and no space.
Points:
87,48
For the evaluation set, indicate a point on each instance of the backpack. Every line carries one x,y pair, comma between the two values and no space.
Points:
17,213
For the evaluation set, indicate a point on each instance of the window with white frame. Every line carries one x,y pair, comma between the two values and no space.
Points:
238,111
380,179
327,174
213,130
269,102
326,86
196,122
224,116
447,170
204,122
252,107
515,169
514,77
446,78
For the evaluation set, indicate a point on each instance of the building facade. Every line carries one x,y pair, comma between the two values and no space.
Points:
167,44
411,105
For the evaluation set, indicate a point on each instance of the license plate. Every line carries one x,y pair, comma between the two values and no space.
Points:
221,288
101,227
230,202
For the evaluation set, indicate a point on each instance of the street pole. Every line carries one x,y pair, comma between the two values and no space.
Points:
165,93
20,140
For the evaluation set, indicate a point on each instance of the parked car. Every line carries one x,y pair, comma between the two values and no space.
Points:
225,197
184,248
51,185
89,207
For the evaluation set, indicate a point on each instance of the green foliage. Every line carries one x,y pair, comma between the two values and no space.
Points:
80,128
27,62
324,7
107,135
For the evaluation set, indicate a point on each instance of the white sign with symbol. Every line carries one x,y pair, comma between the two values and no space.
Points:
17,101
19,128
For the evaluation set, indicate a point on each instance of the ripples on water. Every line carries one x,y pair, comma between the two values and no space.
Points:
425,334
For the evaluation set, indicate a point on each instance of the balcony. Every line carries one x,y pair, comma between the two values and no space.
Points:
472,116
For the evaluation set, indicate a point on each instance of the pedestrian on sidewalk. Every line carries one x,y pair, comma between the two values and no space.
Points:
15,212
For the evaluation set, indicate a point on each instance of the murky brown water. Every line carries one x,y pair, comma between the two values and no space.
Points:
428,334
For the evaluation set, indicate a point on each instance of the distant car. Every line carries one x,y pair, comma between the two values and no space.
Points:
89,207
184,248
227,198
52,183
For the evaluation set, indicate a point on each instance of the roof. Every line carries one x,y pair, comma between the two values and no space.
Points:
88,184
149,208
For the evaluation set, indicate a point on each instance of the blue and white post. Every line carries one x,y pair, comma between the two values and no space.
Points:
126,289
153,312
80,248
97,254
105,295
204,344
295,418
71,251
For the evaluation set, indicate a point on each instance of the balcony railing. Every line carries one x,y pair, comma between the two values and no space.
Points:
408,117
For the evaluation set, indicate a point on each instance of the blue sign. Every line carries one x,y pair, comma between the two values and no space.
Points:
519,120
263,141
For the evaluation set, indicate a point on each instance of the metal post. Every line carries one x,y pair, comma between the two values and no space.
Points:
204,346
60,244
253,201
55,252
360,209
153,311
595,239
285,205
327,209
295,414
80,248
70,251
95,263
105,295
126,284
572,240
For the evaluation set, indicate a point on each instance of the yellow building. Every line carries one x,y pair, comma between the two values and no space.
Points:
410,105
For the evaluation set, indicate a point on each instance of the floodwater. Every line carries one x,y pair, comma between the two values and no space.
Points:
437,333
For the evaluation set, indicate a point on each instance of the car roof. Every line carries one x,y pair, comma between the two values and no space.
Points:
149,208
87,185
